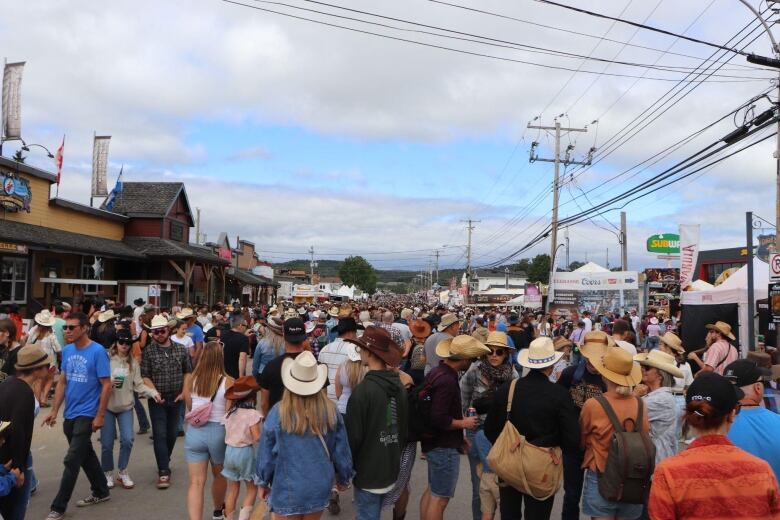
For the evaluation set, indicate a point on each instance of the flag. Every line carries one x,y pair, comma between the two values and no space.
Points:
117,190
12,101
58,159
99,165
689,253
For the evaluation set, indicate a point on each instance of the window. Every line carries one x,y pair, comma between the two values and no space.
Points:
177,231
87,273
715,270
13,280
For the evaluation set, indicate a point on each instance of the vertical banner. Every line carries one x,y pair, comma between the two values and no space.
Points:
689,253
99,165
12,100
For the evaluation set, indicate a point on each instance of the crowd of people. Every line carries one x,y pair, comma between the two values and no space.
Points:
295,404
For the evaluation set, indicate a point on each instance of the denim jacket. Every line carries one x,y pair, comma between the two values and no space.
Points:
264,353
298,470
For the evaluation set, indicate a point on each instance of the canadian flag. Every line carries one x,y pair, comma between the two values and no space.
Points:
58,159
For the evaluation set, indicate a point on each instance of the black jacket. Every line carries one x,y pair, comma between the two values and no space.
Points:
541,411
17,404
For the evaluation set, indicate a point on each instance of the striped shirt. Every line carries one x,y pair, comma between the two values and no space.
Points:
713,479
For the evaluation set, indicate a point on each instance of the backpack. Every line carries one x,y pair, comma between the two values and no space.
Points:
420,407
630,460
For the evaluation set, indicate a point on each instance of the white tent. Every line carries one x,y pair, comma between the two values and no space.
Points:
734,290
591,267
701,285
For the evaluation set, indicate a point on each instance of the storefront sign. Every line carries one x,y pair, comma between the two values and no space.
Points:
533,296
6,247
154,291
667,243
225,253
774,301
15,194
492,298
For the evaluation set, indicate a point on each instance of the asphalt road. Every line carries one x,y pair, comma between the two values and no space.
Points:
146,501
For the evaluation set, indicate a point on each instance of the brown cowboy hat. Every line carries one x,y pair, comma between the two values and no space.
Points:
242,387
722,327
345,311
561,342
377,340
420,328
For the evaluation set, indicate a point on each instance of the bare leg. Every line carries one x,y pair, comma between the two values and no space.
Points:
197,474
436,507
233,488
424,501
218,486
251,494
399,509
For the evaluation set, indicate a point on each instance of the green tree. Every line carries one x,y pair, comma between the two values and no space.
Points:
523,265
18,157
358,272
575,265
539,269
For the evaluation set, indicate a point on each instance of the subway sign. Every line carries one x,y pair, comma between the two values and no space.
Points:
667,243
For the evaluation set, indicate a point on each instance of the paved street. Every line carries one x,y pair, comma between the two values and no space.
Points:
145,501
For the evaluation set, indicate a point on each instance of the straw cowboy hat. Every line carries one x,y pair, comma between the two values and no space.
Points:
106,316
378,341
673,341
242,388
303,375
539,354
660,360
561,342
333,311
420,328
498,339
185,313
158,322
618,366
722,327
45,318
595,344
461,347
345,311
446,321
30,357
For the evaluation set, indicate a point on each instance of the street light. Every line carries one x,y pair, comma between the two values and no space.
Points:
26,148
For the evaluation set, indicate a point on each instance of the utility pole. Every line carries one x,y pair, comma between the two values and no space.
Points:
623,242
312,263
566,238
437,266
556,179
197,225
469,228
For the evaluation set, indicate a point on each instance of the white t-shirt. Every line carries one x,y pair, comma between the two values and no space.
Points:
588,324
333,354
185,342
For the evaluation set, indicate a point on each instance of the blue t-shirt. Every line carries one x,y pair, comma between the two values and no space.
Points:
754,431
196,332
83,368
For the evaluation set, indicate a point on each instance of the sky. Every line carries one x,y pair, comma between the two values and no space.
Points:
293,134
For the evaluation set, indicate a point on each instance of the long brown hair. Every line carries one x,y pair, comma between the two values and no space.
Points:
131,362
300,415
210,369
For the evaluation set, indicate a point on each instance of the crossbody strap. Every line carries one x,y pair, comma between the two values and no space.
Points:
510,397
611,413
726,356
219,385
324,445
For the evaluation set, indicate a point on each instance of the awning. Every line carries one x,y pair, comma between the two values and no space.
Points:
78,281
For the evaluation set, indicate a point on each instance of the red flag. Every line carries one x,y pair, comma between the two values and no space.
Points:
58,159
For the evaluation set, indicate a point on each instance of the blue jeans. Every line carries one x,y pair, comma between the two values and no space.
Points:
165,427
368,505
14,505
593,504
108,435
140,412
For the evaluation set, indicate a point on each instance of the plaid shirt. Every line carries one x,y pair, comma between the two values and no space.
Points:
772,399
166,367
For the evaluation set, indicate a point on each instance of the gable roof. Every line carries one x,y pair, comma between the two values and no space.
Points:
149,199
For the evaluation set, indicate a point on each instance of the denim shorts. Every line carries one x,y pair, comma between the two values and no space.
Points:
443,469
593,504
206,443
239,463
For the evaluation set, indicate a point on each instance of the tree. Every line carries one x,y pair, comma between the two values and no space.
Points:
18,157
539,269
575,265
358,272
523,265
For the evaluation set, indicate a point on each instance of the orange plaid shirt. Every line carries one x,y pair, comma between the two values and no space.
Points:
713,479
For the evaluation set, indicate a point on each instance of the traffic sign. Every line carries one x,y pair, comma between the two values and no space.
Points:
774,266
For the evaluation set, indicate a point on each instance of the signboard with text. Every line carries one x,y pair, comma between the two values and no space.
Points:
667,243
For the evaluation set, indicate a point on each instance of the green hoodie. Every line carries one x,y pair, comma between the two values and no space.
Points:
376,428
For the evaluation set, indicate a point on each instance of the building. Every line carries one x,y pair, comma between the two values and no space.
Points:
496,286
712,263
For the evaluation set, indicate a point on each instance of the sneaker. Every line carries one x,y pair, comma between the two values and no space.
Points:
91,500
163,482
124,480
143,431
219,514
54,515
109,480
333,504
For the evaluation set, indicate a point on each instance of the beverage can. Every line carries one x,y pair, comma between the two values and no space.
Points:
471,412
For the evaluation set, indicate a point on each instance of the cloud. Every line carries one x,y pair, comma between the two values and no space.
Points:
253,152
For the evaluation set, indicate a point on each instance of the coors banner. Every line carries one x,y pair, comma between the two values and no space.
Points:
12,101
689,253
99,165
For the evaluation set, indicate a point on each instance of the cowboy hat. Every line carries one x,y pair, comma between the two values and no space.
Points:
722,327
461,347
309,327
561,342
595,343
406,313
673,341
420,328
66,306
138,302
345,311
242,388
4,426
352,352
158,322
106,316
185,313
45,318
31,356
333,311
275,324
539,354
303,375
497,339
660,360
446,321
378,341
618,366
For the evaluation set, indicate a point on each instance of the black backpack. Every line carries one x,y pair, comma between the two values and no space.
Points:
420,407
630,460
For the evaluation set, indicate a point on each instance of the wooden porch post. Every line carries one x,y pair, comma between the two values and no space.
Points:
186,275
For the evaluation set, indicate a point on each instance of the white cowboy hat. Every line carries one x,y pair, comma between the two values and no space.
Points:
106,316
309,327
158,322
660,360
302,375
45,318
539,354
185,313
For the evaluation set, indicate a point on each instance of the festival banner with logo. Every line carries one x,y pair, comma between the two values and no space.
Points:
100,165
689,253
533,296
597,292
15,194
12,100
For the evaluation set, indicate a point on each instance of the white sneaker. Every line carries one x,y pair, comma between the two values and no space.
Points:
109,480
124,480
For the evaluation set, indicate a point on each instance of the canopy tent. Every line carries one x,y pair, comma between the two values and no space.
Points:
700,285
591,267
732,292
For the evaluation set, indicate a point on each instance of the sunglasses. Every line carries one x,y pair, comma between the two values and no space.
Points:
71,327
159,331
124,342
497,351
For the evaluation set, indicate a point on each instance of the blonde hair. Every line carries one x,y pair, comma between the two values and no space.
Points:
275,340
355,372
300,415
210,369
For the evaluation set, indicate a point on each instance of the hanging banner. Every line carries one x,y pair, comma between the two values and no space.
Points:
606,281
100,165
12,100
533,296
689,253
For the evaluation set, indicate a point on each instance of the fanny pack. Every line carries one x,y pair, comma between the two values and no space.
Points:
199,416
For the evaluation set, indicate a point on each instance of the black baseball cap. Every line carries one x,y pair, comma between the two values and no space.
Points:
294,330
715,390
744,372
123,336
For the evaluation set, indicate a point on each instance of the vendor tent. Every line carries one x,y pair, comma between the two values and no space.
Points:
591,267
726,302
